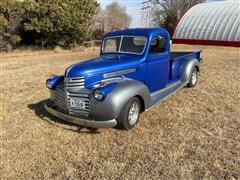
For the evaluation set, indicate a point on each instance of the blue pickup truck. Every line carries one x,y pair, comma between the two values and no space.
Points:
134,72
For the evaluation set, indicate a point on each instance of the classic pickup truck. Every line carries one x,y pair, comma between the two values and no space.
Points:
134,72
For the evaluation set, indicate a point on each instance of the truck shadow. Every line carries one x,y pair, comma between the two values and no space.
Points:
40,111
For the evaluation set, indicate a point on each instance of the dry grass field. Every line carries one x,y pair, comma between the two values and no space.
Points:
195,134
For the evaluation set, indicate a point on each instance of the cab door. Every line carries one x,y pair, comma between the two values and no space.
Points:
157,67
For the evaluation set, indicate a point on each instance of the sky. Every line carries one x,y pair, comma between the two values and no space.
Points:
133,8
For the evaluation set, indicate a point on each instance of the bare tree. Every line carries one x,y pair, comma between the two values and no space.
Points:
167,12
113,17
116,17
99,19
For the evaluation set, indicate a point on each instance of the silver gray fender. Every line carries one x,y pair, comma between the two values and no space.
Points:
112,105
187,68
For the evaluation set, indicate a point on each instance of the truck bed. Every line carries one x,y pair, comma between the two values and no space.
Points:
180,55
177,59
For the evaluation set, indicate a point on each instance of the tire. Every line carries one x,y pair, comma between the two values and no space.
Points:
194,78
130,114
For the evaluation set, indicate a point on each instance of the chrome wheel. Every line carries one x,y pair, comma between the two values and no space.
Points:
133,113
194,77
130,114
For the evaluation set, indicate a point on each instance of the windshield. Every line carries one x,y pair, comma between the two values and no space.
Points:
124,44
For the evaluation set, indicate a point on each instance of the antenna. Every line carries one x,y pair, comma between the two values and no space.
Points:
145,13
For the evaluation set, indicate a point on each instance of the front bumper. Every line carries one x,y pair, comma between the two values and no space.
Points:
80,121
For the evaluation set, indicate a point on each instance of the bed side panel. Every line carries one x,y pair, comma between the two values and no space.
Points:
177,62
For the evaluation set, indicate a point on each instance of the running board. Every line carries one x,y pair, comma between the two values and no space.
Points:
163,94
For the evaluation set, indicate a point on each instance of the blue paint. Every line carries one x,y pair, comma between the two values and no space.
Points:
54,81
155,71
104,64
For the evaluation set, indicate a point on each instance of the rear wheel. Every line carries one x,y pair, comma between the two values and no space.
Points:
194,78
130,114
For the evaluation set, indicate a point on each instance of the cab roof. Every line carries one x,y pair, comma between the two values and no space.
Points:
138,32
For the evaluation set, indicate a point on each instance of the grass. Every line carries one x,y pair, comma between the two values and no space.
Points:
192,135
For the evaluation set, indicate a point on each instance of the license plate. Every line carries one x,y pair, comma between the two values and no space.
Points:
77,103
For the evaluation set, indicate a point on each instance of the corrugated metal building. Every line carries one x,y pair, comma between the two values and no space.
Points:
213,23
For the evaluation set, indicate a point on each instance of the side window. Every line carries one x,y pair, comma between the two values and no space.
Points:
158,45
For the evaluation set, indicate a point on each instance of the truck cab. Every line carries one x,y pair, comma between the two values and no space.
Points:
134,72
151,49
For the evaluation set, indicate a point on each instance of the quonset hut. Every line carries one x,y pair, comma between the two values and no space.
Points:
213,23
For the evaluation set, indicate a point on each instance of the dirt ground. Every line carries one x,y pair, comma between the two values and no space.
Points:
192,135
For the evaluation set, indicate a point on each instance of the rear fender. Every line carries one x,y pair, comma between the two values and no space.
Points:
187,68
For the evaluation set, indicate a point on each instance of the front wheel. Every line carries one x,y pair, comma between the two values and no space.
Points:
194,78
130,114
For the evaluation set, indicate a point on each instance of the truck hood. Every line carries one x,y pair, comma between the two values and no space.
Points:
103,64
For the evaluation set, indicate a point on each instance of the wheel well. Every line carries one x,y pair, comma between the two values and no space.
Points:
197,68
142,103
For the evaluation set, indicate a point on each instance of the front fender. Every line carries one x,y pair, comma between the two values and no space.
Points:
112,105
54,81
187,68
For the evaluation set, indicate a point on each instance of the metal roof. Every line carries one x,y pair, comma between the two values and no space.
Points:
219,21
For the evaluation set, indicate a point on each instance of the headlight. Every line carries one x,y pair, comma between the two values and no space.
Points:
53,81
49,84
98,95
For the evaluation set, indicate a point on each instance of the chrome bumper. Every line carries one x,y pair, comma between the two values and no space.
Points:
80,121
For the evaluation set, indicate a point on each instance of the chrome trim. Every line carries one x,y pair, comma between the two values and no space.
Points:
112,80
80,121
118,73
120,44
165,88
72,90
77,82
58,96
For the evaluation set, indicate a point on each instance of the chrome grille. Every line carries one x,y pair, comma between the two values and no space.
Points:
59,97
71,88
77,82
